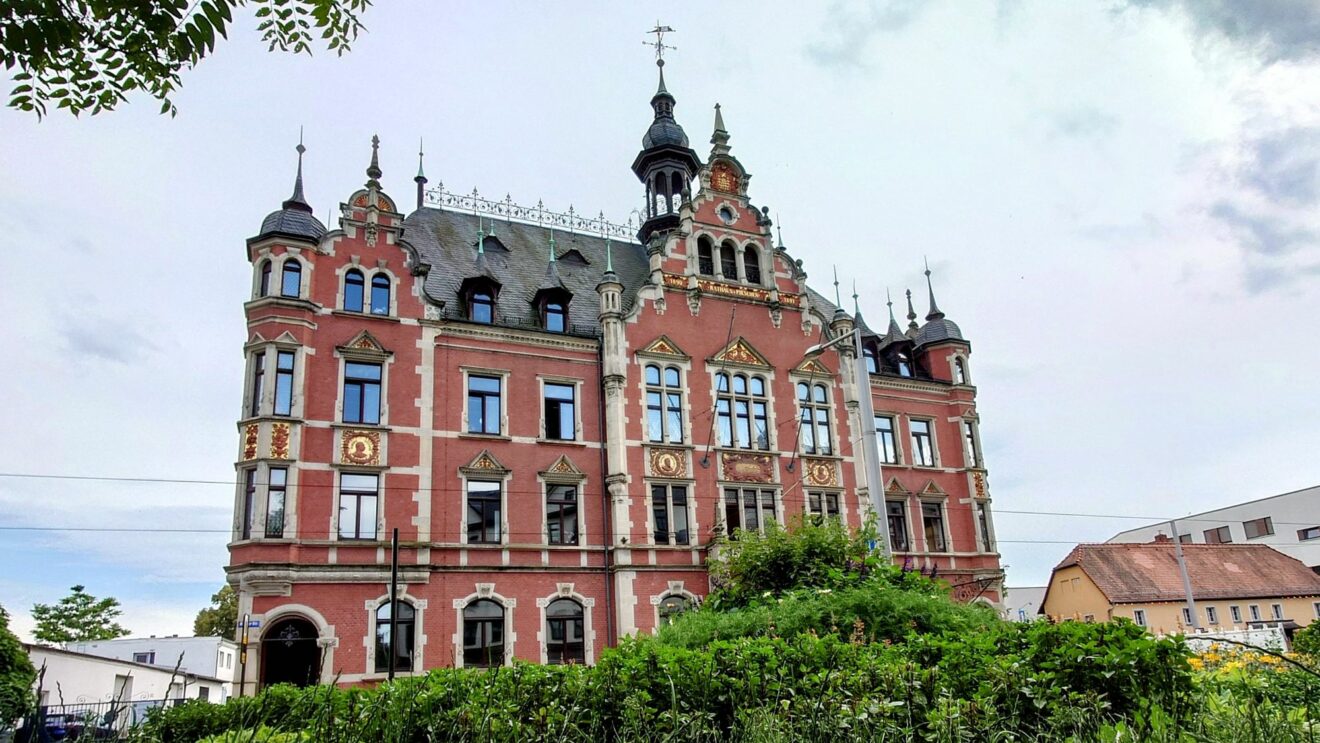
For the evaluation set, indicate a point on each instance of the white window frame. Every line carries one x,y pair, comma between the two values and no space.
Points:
898,438
683,392
1235,613
385,360
971,436
546,481
503,375
1212,616
339,472
934,445
944,525
588,604
1139,617
831,411
485,591
419,636
576,384
503,478
768,378
689,509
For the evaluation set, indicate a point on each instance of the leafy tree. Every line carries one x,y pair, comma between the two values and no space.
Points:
16,675
78,617
1307,640
221,617
87,55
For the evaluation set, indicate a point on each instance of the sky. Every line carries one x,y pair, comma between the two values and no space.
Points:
1120,203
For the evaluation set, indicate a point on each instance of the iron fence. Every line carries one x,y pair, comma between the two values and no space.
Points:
86,721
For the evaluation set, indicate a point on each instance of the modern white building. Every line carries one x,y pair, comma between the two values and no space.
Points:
1022,604
213,657
1288,522
68,678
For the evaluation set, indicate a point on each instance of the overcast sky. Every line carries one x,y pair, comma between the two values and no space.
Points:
1119,200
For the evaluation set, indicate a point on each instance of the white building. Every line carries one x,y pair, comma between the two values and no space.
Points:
66,677
1022,604
1289,522
213,657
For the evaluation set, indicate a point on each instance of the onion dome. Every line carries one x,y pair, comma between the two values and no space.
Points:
664,130
295,217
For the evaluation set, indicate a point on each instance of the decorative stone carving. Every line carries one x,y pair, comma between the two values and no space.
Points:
360,448
741,352
279,441
250,441
738,467
821,472
978,481
668,462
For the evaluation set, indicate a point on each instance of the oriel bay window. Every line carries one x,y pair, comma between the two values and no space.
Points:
669,514
275,490
896,513
560,418
932,521
664,404
483,411
403,619
358,495
284,383
749,509
923,446
483,512
740,411
361,392
565,639
483,634
888,444
813,401
561,514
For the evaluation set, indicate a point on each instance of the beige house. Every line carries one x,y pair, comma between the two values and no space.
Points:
1234,585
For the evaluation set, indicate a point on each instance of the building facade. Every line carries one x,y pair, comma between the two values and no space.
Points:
211,657
1288,522
74,678
562,417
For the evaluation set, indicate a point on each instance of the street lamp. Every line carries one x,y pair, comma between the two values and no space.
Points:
870,448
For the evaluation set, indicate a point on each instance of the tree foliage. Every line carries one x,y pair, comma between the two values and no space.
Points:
220,618
88,55
78,617
16,675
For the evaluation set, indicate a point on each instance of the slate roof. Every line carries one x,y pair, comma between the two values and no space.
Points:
939,329
447,241
293,222
1140,573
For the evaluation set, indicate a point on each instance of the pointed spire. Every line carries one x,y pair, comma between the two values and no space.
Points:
297,200
420,179
911,315
720,138
481,237
609,257
838,302
934,313
779,232
373,170
894,333
661,89
857,310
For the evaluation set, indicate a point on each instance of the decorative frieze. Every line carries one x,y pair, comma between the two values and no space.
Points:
279,441
250,432
668,462
360,448
821,472
740,467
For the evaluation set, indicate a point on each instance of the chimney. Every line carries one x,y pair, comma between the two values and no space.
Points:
1161,538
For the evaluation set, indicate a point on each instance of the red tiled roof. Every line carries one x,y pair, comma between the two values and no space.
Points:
1136,573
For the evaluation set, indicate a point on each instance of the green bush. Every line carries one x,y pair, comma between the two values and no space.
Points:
16,676
1307,640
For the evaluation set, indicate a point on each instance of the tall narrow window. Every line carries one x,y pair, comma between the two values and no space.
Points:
554,316
932,520
357,505
483,634
483,512
1187,616
278,483
1211,616
1139,617
884,433
872,361
403,618
258,382
560,420
249,503
263,286
705,258
1254,611
983,524
481,306
361,393
973,452
959,371
1276,610
748,509
353,290
669,514
1236,613
740,411
483,405
565,639
380,294
728,262
561,514
923,449
291,280
896,512
664,404
813,401
284,383
752,265
823,506
904,364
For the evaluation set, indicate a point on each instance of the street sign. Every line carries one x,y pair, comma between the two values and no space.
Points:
254,623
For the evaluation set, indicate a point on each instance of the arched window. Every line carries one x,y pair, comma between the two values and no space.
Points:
404,622
671,607
751,265
483,634
705,257
291,281
959,371
380,294
728,262
904,364
740,411
564,633
664,404
263,288
481,306
554,316
353,290
814,402
872,361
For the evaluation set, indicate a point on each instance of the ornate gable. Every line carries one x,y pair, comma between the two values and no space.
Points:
930,488
740,352
563,468
664,346
814,368
484,463
894,487
365,344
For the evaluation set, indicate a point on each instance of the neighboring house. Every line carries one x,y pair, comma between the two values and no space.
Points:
561,415
1234,585
215,657
72,678
1022,604
1288,522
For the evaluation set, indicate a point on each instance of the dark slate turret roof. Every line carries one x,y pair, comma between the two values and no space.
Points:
447,241
292,222
939,329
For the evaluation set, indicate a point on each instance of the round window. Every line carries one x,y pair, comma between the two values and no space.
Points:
726,214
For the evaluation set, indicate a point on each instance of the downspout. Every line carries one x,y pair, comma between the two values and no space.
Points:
607,517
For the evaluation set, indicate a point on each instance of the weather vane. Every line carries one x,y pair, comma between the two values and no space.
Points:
659,43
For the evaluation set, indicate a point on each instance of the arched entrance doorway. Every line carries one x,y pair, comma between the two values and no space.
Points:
290,653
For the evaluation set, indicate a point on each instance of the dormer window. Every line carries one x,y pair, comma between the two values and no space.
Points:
904,364
554,316
728,262
353,290
872,360
959,371
705,257
380,294
291,278
752,265
481,305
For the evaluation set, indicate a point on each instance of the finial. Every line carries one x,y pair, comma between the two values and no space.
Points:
421,176
934,313
857,310
779,231
373,170
660,47
297,200
911,314
837,301
609,256
481,238
720,138
553,256
889,302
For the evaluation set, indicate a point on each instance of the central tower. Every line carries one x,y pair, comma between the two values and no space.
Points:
666,165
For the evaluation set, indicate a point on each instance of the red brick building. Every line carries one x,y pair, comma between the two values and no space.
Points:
562,416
